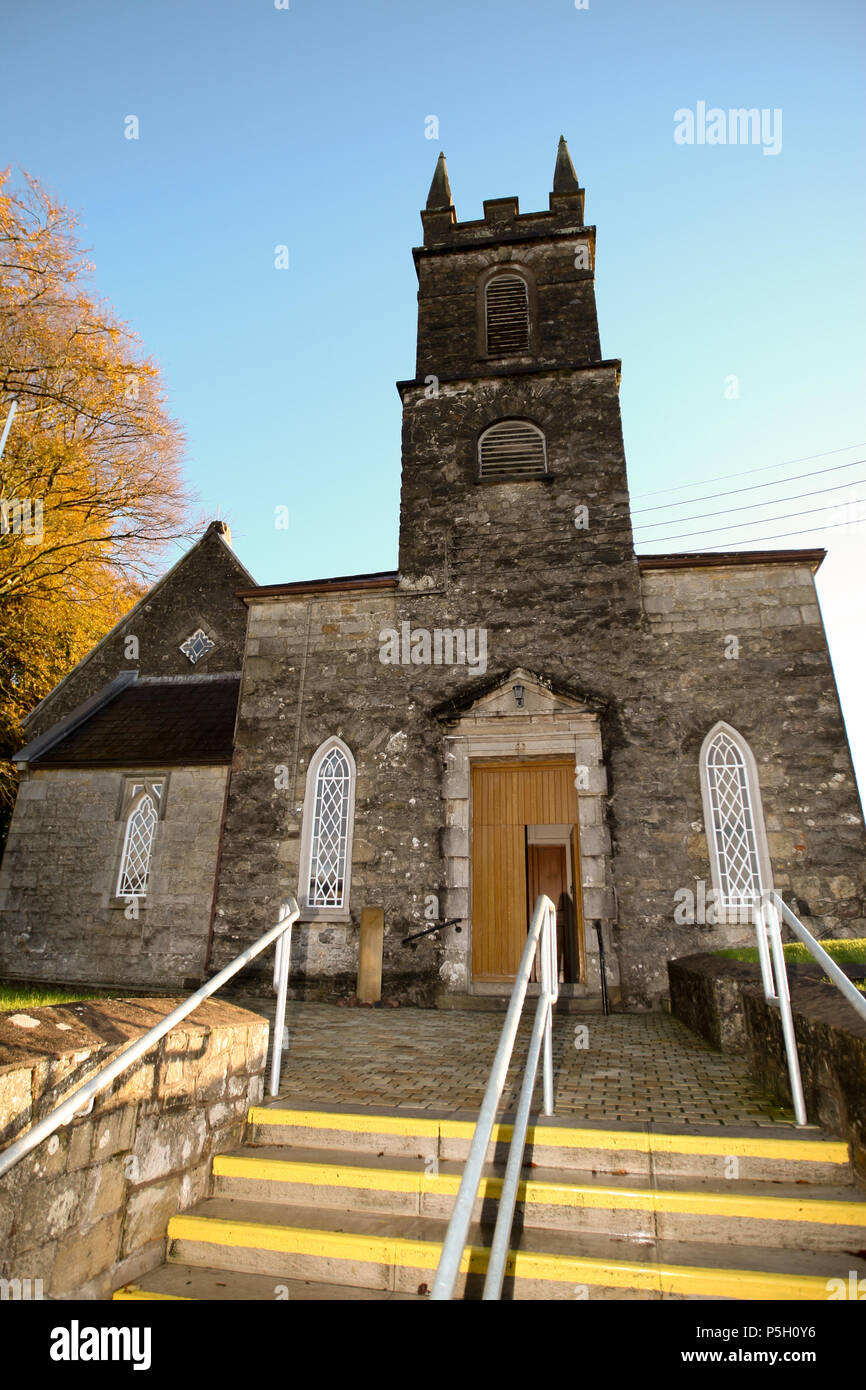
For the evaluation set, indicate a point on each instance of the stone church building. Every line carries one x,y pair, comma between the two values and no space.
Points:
523,705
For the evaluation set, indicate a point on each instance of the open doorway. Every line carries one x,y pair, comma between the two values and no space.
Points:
520,809
551,851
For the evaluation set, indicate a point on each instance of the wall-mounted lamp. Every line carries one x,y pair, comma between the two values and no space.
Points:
519,692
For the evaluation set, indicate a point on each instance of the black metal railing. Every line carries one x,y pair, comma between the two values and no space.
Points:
416,936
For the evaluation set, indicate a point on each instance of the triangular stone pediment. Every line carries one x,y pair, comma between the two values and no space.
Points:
539,696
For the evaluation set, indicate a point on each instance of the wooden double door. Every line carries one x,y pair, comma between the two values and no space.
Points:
525,841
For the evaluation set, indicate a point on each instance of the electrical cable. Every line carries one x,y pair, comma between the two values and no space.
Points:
745,473
751,506
754,487
761,540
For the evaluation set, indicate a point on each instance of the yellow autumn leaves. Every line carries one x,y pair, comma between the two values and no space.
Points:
91,488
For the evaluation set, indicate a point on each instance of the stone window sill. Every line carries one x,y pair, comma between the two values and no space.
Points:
518,478
325,915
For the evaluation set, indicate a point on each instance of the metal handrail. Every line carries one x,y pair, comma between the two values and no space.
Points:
80,1101
839,978
602,970
542,931
440,926
774,975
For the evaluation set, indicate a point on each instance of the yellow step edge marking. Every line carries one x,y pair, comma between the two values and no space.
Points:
332,1175
811,1150
399,1252
536,1193
354,1124
133,1293
554,1136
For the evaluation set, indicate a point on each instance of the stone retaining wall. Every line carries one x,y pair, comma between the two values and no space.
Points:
87,1210
723,1001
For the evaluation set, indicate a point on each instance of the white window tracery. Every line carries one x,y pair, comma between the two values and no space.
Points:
734,819
197,645
326,859
137,852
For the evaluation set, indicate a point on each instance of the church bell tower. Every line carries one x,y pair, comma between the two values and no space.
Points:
513,462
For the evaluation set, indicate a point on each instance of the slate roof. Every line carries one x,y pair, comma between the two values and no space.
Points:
154,722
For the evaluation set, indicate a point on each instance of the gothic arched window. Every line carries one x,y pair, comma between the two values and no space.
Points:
326,854
512,449
506,315
734,818
141,821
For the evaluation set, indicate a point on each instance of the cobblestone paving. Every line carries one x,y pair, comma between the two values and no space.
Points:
634,1067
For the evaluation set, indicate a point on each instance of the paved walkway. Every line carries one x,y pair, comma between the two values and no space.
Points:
629,1068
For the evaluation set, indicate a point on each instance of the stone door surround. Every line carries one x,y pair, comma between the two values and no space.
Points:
494,727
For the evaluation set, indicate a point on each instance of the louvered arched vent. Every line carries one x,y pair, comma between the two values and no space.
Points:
512,449
507,306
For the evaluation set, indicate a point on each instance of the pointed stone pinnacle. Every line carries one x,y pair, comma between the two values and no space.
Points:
440,189
564,177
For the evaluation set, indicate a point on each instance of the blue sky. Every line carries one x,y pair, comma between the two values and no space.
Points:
306,127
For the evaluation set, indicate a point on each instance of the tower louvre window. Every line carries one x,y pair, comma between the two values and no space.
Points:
512,449
507,314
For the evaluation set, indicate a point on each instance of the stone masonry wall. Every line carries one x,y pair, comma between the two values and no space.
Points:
201,592
779,693
723,1001
59,918
451,299
313,670
505,546
87,1210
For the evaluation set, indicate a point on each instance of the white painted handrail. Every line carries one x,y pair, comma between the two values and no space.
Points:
824,959
774,975
80,1101
282,956
542,929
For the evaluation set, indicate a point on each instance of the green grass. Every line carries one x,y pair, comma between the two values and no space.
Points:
853,952
15,997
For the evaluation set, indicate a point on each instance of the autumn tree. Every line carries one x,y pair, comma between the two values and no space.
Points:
91,489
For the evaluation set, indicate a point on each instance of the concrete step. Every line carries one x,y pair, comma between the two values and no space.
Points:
772,1152
173,1282
400,1254
674,1208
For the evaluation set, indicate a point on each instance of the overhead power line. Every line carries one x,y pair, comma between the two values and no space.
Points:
745,473
761,540
753,487
764,521
752,506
